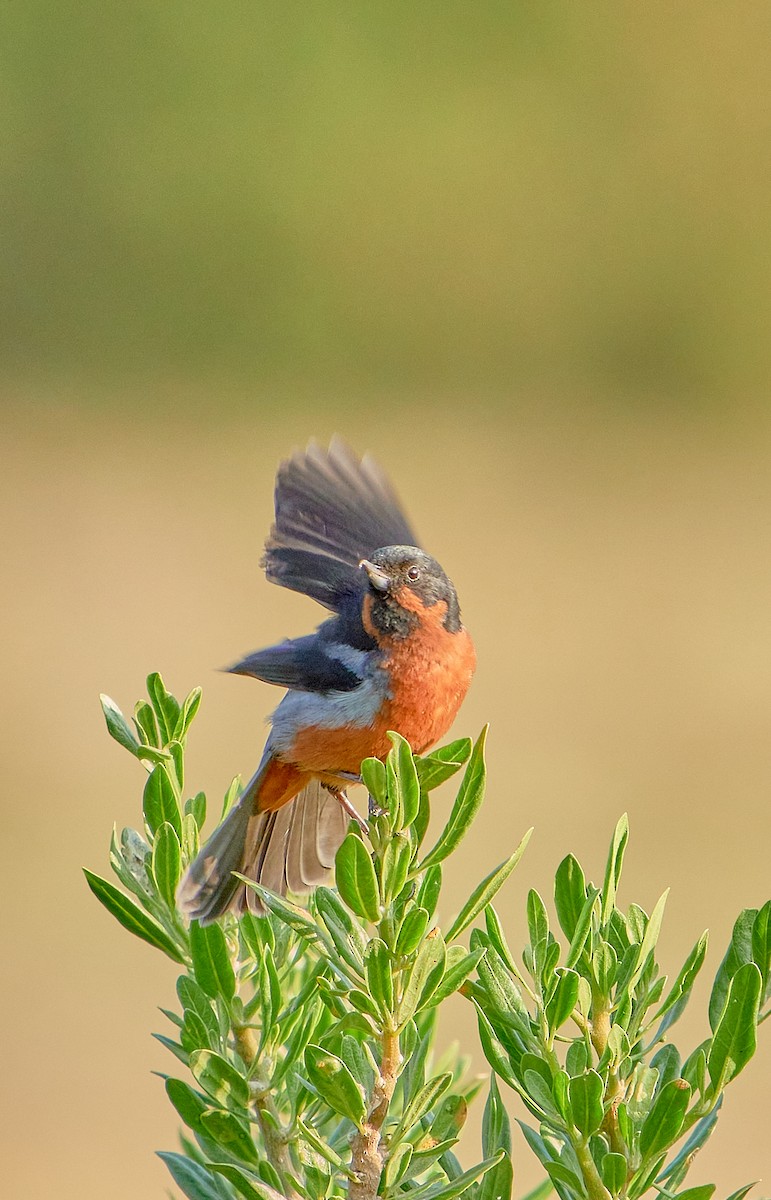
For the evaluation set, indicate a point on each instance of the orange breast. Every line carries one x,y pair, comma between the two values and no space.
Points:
430,674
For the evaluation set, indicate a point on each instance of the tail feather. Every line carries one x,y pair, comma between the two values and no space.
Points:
290,849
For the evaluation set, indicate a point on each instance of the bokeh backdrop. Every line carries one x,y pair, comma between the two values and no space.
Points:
522,251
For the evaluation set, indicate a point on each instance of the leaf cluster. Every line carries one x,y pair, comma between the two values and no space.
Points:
308,1034
581,1031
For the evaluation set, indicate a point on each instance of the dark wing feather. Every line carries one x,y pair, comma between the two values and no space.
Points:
306,664
332,509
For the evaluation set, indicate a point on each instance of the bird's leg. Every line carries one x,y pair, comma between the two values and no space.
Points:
374,809
347,807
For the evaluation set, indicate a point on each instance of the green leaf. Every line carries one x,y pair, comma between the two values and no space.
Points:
211,960
173,1047
644,1177
613,868
190,706
189,1103
231,796
761,942
613,1171
496,1129
324,1149
196,807
424,978
397,857
456,973
195,1035
465,808
424,1099
582,930
741,1192
559,1173
585,1093
704,1192
291,914
735,1037
484,892
228,1131
250,1186
373,775
538,928
443,763
450,1118
403,776
379,975
130,862
569,894
193,999
269,989
429,890
166,707
604,967
666,1061
177,752
358,1062
685,980
411,931
739,952
538,1084
498,938
167,863
395,1166
498,1182
336,1085
147,726
419,827
537,919
130,916
455,1187
118,727
356,879
664,1122
220,1079
195,1180
698,1137
160,803
494,1050
541,1192
502,993
346,933
563,999
650,938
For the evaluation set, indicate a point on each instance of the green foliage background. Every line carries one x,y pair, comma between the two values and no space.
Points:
492,197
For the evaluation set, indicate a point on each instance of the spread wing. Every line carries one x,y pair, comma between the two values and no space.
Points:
308,664
332,509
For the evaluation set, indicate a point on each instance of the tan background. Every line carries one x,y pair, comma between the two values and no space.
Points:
525,257
616,576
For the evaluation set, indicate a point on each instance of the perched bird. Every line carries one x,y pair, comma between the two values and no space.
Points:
394,656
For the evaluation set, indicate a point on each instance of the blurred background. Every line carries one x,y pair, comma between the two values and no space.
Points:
520,251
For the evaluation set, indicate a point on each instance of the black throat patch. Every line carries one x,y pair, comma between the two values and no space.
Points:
390,619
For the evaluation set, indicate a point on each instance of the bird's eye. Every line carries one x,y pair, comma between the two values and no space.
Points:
413,574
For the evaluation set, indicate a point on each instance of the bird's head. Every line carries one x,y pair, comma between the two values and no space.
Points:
402,582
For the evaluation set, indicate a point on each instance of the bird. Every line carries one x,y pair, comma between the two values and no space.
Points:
394,656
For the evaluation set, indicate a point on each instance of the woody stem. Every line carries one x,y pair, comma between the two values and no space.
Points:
367,1150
